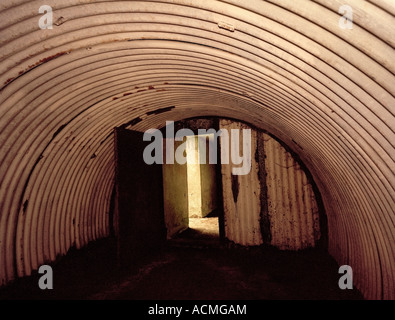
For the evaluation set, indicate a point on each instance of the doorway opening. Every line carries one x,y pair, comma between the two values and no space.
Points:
192,190
275,203
202,187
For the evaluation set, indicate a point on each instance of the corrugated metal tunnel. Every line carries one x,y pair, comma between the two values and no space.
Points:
281,65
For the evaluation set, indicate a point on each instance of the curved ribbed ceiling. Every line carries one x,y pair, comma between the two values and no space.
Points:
287,68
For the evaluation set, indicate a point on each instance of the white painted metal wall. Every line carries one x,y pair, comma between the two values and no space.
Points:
282,65
292,205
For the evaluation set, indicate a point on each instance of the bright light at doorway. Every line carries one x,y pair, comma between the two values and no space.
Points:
202,186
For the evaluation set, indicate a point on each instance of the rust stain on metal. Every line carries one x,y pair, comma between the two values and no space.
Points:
44,60
262,177
8,81
235,187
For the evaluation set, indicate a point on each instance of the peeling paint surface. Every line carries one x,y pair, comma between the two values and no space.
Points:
241,196
292,207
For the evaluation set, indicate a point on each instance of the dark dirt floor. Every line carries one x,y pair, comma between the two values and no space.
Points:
189,268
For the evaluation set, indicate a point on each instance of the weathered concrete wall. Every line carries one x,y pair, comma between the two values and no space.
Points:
194,181
241,195
175,191
202,186
208,188
208,183
274,203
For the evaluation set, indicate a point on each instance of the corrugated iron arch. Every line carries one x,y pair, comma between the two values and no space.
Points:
287,67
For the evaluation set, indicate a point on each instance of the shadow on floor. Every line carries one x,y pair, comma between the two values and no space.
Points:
214,271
